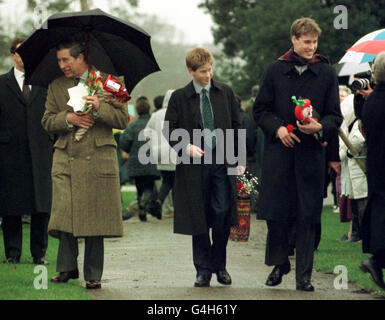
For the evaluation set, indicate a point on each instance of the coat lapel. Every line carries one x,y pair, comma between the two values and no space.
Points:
193,105
14,86
218,105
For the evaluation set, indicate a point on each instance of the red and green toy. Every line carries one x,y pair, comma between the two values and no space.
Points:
303,112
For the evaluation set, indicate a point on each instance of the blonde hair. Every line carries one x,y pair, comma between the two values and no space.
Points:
304,26
345,88
198,57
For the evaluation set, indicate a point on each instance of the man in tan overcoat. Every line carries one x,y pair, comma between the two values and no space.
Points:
85,177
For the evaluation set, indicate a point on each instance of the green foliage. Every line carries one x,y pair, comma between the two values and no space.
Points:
258,31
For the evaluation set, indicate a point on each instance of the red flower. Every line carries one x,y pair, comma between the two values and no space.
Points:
241,190
290,128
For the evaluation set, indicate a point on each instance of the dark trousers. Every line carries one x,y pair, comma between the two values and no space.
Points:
145,188
13,235
277,246
167,184
67,256
379,257
209,255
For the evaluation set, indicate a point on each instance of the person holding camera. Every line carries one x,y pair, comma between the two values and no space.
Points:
373,223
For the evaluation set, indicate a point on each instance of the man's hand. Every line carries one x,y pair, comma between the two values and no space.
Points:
288,139
309,128
365,93
108,97
241,170
93,101
85,121
335,165
195,152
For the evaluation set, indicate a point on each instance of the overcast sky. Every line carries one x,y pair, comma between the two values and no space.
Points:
183,14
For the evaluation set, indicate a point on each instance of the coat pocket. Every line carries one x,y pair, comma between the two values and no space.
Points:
106,161
60,164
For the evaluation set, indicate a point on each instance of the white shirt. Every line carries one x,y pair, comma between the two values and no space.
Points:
19,78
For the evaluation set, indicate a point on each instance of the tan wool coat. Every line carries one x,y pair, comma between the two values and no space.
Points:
86,199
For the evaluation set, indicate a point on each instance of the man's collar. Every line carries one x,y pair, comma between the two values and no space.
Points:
199,88
18,73
84,76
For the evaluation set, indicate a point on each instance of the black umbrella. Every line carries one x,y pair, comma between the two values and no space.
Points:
115,46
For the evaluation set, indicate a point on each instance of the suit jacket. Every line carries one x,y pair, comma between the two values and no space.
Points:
25,150
85,175
183,112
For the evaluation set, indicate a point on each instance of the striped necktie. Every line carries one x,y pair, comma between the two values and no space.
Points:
208,120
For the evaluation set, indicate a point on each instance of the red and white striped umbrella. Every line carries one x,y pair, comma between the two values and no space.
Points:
366,48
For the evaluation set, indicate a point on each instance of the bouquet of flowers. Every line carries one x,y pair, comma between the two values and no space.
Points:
247,186
94,85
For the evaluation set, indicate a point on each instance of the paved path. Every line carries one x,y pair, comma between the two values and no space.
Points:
152,263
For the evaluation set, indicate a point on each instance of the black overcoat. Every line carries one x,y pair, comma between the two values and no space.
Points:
25,150
183,112
373,119
292,179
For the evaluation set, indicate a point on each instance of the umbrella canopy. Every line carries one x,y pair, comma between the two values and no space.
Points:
351,68
366,48
115,46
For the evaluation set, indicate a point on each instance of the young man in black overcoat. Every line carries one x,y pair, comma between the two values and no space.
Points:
205,186
294,161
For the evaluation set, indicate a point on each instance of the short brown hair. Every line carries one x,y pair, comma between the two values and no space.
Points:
142,107
14,44
198,57
303,26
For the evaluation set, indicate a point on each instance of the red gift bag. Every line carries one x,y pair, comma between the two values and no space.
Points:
242,230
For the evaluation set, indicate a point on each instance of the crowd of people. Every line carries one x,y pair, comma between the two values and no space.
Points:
71,186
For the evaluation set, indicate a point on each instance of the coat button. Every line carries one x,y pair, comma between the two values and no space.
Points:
72,158
88,158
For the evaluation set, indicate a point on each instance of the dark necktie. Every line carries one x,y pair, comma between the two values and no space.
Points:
26,91
208,120
76,81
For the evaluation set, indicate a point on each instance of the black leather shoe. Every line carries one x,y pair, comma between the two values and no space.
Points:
375,272
92,284
305,286
65,276
223,277
156,209
275,277
40,261
202,280
12,260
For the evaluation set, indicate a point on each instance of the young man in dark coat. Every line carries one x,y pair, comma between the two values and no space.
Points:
25,162
205,193
294,161
373,222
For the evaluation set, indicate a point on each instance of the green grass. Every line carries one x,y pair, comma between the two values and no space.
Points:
333,252
17,280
